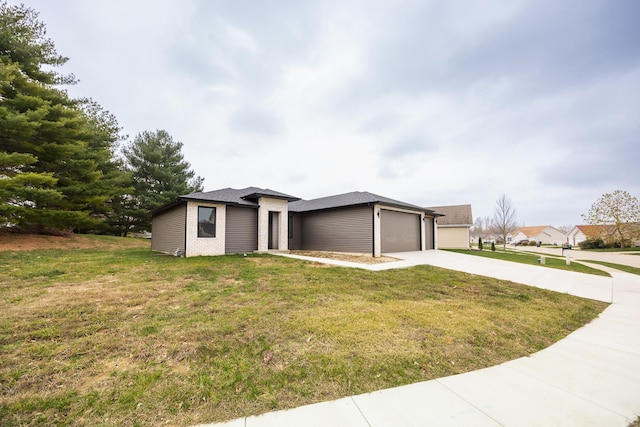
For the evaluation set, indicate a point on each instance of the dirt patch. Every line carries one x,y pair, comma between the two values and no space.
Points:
350,257
29,242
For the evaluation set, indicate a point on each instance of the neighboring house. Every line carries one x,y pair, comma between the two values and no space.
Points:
454,226
486,238
254,219
545,234
580,233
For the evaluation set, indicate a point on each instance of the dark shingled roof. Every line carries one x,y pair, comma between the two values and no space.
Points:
454,215
245,196
229,196
249,197
354,198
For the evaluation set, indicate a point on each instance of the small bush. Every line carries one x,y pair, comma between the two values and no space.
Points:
480,243
592,244
493,246
617,245
533,243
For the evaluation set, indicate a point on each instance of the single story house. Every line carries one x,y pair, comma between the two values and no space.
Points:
546,234
454,228
580,233
252,219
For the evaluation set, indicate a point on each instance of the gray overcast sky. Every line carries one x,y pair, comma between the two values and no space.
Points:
429,102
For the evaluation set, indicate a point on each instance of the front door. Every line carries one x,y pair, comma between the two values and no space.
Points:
274,229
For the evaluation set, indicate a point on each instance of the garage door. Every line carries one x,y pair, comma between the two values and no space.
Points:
241,233
400,231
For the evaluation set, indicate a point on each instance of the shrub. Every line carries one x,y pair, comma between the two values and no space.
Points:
533,243
627,244
493,246
480,243
592,244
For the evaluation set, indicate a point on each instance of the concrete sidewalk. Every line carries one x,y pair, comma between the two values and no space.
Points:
590,378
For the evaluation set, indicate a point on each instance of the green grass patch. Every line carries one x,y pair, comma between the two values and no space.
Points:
621,267
635,249
533,259
127,337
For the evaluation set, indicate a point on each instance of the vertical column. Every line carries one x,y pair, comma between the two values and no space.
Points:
377,231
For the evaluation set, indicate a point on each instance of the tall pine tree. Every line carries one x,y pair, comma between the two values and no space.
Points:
159,172
50,144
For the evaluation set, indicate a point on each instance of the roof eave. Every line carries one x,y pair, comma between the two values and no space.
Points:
167,206
271,196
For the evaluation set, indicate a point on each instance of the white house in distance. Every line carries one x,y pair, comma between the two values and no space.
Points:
454,227
580,233
577,234
545,234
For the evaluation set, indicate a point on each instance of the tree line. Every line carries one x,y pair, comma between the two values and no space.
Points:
64,163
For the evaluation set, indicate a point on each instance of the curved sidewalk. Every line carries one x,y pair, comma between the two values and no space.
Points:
590,378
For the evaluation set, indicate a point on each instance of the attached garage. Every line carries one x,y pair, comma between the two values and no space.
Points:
241,233
399,231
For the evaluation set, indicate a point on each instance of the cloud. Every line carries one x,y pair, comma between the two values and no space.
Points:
256,121
425,101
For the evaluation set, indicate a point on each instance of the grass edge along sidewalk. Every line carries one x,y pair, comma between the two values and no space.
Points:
125,337
621,267
531,259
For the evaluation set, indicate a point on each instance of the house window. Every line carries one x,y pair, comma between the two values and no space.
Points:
290,226
206,221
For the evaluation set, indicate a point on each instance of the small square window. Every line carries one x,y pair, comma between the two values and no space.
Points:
206,221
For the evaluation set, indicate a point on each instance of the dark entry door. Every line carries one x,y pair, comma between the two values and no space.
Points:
274,229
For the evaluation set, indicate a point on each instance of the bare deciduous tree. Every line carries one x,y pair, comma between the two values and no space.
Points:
482,228
566,229
504,218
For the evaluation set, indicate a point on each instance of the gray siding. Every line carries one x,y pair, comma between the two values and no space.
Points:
399,232
428,232
241,234
168,230
340,230
295,242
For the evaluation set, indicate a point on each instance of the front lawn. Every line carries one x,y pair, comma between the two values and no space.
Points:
533,259
621,267
126,337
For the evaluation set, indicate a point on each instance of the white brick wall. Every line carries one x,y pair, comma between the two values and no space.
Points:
273,205
205,245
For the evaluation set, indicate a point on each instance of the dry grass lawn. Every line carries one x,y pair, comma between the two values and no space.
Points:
115,335
359,258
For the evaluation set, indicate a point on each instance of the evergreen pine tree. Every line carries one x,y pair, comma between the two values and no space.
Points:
159,173
49,144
